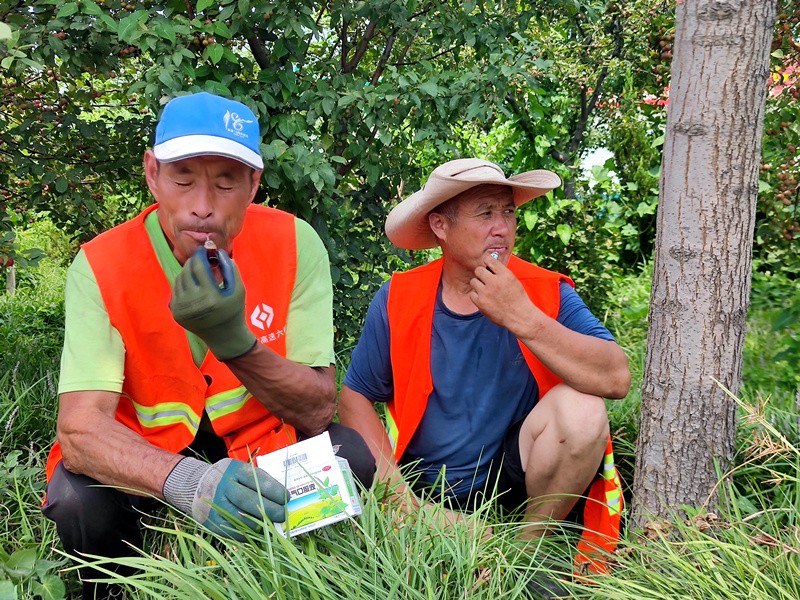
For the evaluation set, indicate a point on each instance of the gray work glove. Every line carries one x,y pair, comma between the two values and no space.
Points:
213,312
220,494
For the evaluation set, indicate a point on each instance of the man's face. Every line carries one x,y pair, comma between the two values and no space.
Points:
200,197
485,222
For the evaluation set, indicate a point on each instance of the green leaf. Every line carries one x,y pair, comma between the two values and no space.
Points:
67,10
564,232
166,78
8,591
531,218
214,52
110,23
50,588
347,100
430,88
91,8
204,4
165,30
127,28
62,185
646,208
33,64
274,149
21,563
5,32
221,29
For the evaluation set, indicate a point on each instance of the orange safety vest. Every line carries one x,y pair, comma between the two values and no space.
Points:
164,393
410,306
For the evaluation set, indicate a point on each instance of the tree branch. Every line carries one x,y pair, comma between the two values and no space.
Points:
259,53
387,51
350,65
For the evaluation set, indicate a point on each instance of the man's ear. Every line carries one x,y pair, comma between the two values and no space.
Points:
438,225
150,170
255,181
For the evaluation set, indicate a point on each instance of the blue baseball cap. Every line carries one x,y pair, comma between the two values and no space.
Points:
205,124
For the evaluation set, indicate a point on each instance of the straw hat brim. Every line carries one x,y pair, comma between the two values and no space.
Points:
407,224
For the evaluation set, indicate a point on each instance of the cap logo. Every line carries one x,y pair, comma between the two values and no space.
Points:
235,124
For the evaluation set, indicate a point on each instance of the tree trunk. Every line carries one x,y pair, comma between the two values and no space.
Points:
701,279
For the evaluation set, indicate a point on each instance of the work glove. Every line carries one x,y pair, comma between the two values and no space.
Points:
220,495
212,311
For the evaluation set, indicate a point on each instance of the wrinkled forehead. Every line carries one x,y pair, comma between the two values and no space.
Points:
487,193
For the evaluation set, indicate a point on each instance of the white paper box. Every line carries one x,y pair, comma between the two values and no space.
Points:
321,492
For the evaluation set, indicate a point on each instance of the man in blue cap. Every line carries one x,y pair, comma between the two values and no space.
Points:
198,335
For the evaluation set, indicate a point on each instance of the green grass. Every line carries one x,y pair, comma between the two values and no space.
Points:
750,549
370,557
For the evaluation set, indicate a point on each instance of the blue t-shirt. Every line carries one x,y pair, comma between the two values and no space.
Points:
481,386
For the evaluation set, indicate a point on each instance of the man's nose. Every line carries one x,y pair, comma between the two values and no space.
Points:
501,223
202,202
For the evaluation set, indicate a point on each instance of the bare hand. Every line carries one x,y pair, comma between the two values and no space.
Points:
499,295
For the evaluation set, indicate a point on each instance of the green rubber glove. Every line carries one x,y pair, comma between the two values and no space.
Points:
226,497
213,312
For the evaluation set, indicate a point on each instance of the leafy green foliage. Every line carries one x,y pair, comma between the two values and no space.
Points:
26,570
351,99
772,346
32,320
778,225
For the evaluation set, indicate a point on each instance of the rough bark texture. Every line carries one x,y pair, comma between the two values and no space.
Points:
701,280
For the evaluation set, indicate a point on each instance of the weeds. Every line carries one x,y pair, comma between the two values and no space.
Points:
752,550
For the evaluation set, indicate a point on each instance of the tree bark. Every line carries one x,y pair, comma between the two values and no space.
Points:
701,279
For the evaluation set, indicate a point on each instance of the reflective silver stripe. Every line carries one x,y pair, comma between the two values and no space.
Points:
166,414
223,404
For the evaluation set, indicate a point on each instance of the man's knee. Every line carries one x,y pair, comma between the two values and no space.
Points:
581,419
350,445
90,517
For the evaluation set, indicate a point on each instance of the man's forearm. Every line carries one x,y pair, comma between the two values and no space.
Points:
95,444
585,363
303,396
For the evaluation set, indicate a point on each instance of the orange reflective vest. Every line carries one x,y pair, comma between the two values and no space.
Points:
412,299
164,393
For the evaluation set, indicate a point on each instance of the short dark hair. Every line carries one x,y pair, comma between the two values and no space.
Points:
448,209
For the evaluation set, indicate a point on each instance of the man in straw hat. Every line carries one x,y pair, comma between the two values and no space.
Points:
198,335
493,369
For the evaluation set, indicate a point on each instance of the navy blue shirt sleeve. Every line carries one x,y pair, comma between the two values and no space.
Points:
370,369
574,314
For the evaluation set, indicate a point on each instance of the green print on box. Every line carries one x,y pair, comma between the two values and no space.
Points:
320,485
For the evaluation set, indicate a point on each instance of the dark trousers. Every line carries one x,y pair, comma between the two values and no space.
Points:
103,521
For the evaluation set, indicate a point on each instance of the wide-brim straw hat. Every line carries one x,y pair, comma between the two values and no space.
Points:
407,224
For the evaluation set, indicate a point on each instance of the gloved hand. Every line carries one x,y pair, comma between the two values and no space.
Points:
213,312
220,494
